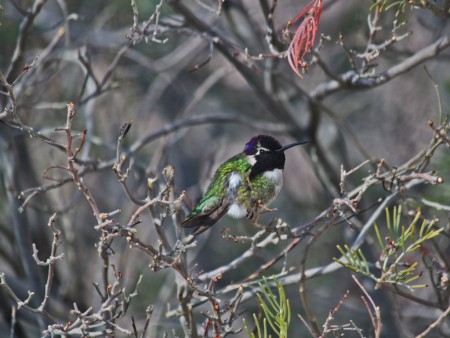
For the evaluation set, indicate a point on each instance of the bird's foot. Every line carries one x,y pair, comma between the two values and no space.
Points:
253,216
255,213
265,209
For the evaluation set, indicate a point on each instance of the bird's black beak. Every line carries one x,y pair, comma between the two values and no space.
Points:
290,146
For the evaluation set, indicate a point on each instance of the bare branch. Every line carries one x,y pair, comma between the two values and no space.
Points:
353,80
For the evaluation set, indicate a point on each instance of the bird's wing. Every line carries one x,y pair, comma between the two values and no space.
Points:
203,222
209,210
212,207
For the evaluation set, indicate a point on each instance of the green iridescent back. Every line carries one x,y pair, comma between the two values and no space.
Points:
217,188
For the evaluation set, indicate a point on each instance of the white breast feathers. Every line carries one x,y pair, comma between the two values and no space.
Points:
237,211
276,176
234,181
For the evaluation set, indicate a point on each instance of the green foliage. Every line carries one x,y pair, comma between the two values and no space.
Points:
400,241
276,309
385,5
400,7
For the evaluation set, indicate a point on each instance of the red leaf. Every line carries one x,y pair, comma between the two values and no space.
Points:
305,35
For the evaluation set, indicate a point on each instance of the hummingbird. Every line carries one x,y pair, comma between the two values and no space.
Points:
243,185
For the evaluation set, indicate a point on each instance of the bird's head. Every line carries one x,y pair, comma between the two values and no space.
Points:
265,153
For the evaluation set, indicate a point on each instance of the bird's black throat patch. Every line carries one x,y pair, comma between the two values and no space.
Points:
267,162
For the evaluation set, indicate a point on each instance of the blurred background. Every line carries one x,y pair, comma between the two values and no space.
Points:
198,79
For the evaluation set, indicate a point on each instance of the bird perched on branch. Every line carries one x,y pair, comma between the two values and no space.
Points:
243,185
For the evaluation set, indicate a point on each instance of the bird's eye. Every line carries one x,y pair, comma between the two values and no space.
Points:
262,151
